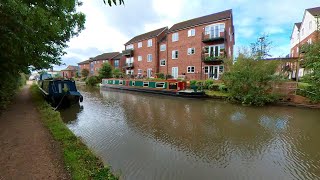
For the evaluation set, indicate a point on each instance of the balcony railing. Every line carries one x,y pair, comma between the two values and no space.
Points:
213,57
128,52
128,66
213,36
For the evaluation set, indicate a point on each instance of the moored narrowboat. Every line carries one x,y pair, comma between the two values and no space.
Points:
60,93
166,87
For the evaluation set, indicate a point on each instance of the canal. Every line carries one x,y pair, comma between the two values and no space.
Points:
145,136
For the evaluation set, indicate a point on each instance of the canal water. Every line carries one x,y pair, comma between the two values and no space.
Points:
145,136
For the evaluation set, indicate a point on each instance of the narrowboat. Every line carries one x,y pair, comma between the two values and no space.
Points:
165,87
60,93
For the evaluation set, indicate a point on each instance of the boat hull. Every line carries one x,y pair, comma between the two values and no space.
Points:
163,92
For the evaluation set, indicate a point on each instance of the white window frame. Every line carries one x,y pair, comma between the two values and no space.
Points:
139,44
175,37
139,58
149,58
189,68
150,43
163,47
191,32
160,83
145,84
139,71
190,51
163,60
129,46
175,53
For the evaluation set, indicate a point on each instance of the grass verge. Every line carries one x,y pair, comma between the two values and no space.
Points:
79,160
217,94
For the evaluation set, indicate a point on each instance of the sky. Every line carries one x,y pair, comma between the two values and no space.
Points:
107,29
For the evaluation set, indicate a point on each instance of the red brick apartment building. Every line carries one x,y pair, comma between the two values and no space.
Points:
192,49
302,33
94,64
142,55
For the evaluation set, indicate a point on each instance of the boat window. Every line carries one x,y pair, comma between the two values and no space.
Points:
65,87
120,82
132,83
160,85
173,85
114,81
60,87
145,84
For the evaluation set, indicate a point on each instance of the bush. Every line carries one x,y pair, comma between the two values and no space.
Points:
207,83
84,73
160,76
193,82
250,81
116,73
92,80
168,76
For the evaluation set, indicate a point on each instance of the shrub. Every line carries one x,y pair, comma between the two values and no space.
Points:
193,82
168,76
249,81
92,81
84,73
160,75
116,73
207,83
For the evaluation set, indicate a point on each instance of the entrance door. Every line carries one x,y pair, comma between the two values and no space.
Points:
149,72
175,72
213,72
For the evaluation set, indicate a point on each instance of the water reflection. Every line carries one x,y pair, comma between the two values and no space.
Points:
159,137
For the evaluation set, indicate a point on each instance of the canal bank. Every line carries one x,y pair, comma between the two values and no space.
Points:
147,136
28,150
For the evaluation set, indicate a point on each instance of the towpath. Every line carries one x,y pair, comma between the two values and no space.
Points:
27,150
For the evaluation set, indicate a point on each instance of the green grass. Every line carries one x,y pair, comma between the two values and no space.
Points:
216,94
79,160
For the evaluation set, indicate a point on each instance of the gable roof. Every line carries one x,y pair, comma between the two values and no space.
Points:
71,68
314,11
298,24
105,56
147,35
202,20
119,56
84,62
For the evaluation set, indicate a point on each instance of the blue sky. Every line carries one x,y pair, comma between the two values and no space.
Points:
108,28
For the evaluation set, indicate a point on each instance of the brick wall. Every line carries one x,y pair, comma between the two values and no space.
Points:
294,52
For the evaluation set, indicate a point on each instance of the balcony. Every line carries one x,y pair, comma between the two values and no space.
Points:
212,36
128,66
128,52
213,57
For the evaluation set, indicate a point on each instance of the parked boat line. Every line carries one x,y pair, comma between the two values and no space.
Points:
165,87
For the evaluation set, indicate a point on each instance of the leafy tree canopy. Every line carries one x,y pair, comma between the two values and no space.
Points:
84,72
105,71
113,1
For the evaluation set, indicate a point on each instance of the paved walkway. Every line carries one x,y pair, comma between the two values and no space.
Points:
27,150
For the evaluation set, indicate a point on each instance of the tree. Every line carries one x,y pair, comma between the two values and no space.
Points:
105,71
117,73
113,1
311,62
261,48
84,72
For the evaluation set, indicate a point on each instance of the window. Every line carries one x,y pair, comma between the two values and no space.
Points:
139,71
130,46
175,37
133,83
191,51
310,25
175,54
139,58
190,69
116,63
149,42
162,62
160,85
206,69
162,47
145,84
191,32
149,58
139,44
120,82
221,69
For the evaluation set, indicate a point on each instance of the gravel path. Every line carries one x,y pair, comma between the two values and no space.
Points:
27,150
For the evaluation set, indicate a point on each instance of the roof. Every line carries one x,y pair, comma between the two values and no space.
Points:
71,68
119,56
147,35
202,20
105,56
84,62
314,11
298,24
